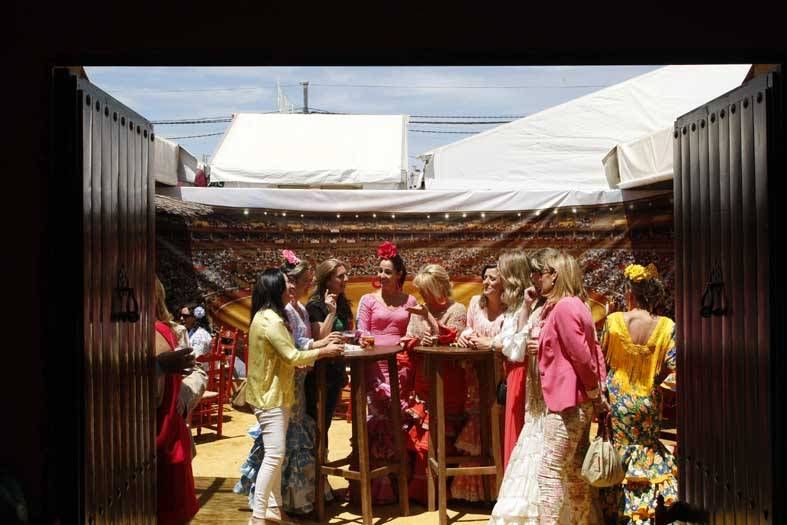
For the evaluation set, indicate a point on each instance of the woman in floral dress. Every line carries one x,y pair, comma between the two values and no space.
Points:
640,351
298,469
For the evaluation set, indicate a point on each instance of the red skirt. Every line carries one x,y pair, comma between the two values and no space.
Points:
515,407
176,499
417,439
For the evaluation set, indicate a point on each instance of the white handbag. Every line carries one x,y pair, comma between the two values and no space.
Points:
602,466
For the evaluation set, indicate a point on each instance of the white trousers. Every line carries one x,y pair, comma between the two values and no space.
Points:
267,490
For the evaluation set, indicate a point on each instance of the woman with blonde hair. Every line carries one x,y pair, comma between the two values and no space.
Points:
177,501
572,372
514,271
518,499
438,313
484,320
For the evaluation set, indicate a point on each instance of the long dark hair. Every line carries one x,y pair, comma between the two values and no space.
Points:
482,300
268,289
649,294
324,272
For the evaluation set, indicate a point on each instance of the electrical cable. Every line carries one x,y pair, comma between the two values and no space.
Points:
195,136
218,120
363,86
460,122
191,121
401,86
446,132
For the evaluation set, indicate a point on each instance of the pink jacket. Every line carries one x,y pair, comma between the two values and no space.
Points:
569,357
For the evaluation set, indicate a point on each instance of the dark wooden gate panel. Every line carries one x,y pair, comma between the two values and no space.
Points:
108,151
723,158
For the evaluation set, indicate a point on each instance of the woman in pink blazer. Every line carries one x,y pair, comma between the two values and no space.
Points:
572,369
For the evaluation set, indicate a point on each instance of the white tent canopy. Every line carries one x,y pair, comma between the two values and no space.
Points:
399,201
640,162
273,150
561,148
173,164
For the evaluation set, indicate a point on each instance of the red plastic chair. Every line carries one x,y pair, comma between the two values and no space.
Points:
244,348
226,346
209,412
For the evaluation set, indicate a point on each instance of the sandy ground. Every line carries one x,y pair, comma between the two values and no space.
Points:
217,465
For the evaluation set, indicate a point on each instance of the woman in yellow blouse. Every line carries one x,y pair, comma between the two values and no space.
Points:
270,384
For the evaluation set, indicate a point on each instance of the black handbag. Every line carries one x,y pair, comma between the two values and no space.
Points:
502,387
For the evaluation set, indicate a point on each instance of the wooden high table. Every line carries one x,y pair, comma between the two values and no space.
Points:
490,458
360,440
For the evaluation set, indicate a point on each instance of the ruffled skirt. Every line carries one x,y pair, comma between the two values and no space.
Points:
650,471
298,470
469,488
517,502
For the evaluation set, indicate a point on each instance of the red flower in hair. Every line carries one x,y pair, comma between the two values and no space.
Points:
387,250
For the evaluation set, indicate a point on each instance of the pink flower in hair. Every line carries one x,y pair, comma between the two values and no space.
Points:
290,256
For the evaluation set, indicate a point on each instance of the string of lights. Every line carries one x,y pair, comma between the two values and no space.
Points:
528,214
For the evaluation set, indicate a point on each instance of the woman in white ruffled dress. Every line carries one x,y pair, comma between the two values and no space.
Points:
517,501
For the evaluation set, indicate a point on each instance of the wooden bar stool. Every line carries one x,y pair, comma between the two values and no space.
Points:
360,441
491,462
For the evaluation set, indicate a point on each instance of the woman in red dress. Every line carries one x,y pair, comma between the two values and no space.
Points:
177,501
438,315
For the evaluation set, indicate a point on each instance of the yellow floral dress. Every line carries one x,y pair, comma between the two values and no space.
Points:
635,400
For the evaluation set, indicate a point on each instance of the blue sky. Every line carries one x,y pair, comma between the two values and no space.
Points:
161,93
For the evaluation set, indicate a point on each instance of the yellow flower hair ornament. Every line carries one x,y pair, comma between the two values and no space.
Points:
636,272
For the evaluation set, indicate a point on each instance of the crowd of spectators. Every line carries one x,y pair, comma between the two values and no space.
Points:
210,271
210,255
603,273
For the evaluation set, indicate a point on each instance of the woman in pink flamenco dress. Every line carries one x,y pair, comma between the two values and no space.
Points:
384,315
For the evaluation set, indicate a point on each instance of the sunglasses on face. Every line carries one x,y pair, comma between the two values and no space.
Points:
186,316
